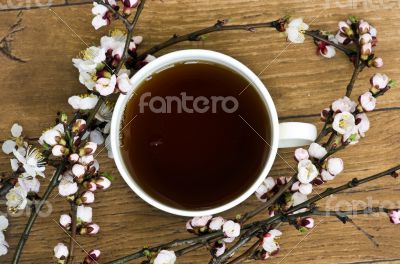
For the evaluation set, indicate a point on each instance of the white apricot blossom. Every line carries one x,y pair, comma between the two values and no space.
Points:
32,162
295,30
17,198
165,257
100,19
307,171
363,124
3,244
344,105
267,185
231,229
106,86
16,141
83,101
343,122
269,242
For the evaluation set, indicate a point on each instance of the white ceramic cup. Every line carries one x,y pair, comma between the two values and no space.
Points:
283,135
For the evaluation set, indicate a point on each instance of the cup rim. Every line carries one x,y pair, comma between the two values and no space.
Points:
184,56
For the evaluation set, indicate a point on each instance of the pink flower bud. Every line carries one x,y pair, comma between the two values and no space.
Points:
395,217
324,114
326,176
307,222
131,3
301,154
87,197
103,183
366,50
59,150
89,148
342,38
335,166
295,187
216,223
61,251
200,221
65,220
365,38
189,226
318,181
86,160
73,158
380,81
219,248
305,188
316,151
373,31
363,27
377,62
78,170
92,257
328,51
367,101
345,28
137,40
281,180
92,229
90,186
79,126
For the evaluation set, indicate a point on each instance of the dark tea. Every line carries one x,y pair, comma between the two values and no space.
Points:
188,145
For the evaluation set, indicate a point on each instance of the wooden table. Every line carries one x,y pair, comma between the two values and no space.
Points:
300,83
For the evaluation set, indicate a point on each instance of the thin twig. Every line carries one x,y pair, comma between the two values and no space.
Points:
351,184
356,72
130,28
5,42
73,234
369,236
196,35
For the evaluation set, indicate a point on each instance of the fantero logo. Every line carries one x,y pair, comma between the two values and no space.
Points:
187,104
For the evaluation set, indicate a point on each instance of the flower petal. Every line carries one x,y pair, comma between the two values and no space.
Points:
8,146
16,130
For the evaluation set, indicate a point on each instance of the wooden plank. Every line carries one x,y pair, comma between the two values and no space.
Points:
33,92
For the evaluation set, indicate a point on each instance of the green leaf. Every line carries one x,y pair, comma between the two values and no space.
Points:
303,230
392,83
353,19
107,175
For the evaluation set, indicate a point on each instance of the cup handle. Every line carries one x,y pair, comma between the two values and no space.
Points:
296,134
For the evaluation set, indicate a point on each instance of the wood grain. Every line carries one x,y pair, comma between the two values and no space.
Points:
300,83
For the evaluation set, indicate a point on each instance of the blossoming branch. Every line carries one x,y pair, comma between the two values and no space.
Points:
107,70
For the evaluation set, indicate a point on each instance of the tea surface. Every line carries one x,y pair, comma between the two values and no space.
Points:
195,160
